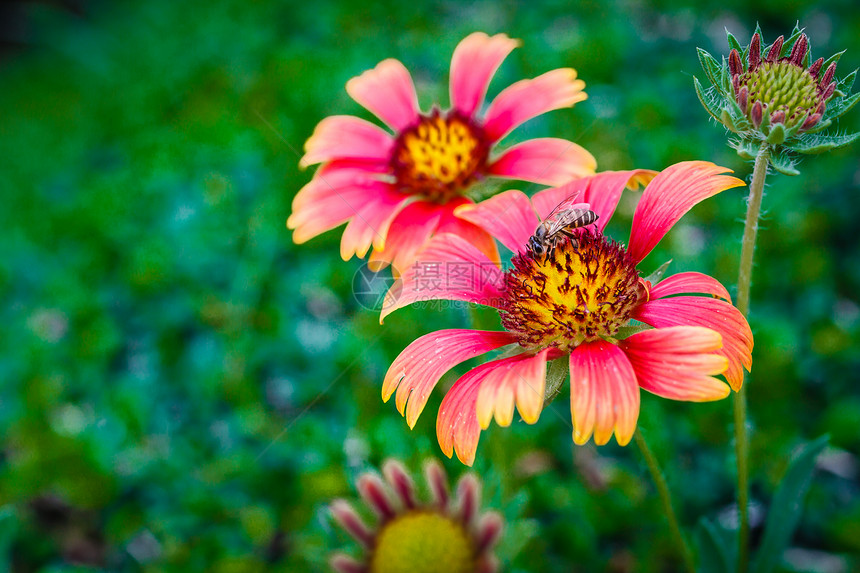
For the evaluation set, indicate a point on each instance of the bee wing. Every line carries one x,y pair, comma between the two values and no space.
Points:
566,218
566,204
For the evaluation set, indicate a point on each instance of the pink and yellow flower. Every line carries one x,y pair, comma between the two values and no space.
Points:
396,190
449,533
577,303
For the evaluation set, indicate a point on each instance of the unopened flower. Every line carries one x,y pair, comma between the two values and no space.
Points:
397,189
444,535
583,301
774,95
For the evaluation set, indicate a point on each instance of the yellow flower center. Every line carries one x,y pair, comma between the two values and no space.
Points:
439,156
782,86
572,294
423,542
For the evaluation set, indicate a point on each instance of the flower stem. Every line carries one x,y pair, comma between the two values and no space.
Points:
666,498
743,304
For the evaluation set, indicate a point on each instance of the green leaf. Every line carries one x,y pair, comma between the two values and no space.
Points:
733,43
845,84
746,149
655,277
556,373
709,64
821,143
716,547
706,100
726,79
784,164
631,329
834,58
777,134
786,505
841,106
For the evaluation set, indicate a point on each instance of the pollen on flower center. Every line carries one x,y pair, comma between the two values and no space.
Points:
574,293
423,542
439,156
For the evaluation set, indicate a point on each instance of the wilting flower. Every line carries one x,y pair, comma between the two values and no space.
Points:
580,302
775,96
443,535
396,190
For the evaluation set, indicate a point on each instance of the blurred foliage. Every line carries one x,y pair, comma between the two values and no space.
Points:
185,389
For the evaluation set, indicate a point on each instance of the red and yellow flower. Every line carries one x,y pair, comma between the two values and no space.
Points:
397,189
576,303
449,533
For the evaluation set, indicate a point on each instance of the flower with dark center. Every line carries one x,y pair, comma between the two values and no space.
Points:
445,535
583,301
774,95
397,189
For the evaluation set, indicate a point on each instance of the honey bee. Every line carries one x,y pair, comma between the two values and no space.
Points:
566,217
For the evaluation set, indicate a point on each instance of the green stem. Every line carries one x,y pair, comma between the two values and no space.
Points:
743,304
666,498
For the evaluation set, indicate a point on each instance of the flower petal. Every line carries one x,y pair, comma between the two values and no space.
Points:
604,397
689,283
678,362
548,161
451,223
711,313
371,223
473,65
601,191
415,372
332,197
346,137
672,193
388,91
508,216
409,232
526,99
447,268
458,427
521,380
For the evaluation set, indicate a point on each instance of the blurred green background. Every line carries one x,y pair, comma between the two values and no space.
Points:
183,389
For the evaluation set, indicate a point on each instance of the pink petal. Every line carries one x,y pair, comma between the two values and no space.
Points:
517,381
331,199
387,91
346,137
601,191
526,99
604,397
343,563
331,178
376,495
409,232
451,223
678,363
457,426
401,482
371,223
351,522
448,268
548,161
419,367
473,65
690,283
508,216
711,313
672,193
